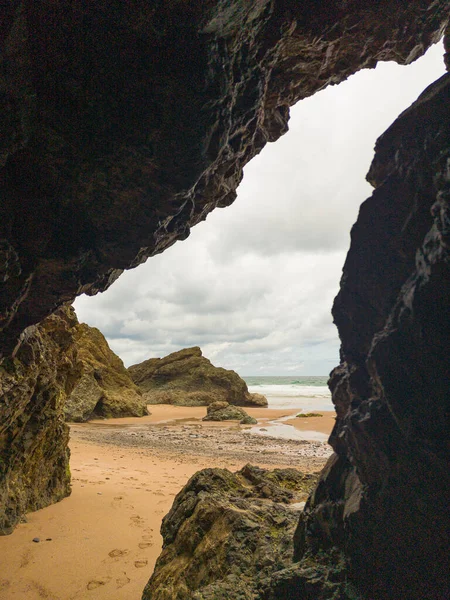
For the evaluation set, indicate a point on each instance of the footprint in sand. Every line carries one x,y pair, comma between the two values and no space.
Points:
144,545
121,581
116,553
117,502
96,583
147,538
137,520
26,556
141,563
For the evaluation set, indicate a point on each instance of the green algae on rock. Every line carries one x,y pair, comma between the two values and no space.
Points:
187,378
222,411
34,385
308,415
226,532
105,388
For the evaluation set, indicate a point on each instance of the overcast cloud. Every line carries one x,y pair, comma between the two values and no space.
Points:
253,285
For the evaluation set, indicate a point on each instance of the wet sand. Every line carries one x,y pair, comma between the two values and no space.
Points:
102,541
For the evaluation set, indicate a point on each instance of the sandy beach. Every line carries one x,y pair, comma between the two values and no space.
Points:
103,540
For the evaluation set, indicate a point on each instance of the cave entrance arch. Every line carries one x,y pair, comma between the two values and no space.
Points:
65,138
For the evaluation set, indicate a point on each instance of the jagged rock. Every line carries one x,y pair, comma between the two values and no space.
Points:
34,456
189,379
383,499
227,531
222,411
105,388
123,128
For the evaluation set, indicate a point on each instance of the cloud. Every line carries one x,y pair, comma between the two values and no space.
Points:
254,284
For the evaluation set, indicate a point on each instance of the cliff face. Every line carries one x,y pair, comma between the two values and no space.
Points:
383,500
125,125
187,378
105,388
34,456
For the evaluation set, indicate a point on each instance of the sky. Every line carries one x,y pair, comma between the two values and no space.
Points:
254,284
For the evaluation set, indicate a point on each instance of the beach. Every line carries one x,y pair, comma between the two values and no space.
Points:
103,540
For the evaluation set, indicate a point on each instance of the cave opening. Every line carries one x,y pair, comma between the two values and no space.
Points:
253,285
378,463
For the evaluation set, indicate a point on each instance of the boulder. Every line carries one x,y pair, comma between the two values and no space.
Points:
105,388
187,378
226,532
258,400
222,411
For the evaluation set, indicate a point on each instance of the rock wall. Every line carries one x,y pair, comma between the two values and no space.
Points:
34,456
105,388
188,378
124,125
384,499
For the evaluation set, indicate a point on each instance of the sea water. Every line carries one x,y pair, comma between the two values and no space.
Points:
307,393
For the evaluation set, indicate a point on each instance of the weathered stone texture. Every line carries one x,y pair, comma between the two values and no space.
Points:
125,124
384,500
105,388
34,456
188,378
226,532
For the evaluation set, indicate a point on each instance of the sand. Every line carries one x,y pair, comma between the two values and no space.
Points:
102,542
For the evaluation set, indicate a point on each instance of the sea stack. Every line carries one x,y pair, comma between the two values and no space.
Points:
187,378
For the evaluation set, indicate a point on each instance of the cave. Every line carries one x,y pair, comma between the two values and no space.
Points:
124,125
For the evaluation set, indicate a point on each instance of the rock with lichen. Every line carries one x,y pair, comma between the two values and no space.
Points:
222,411
105,388
226,532
187,378
34,385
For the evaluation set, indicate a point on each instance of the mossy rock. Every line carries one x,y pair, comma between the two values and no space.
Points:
187,378
105,389
308,415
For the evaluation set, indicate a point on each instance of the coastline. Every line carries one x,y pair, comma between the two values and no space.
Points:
103,540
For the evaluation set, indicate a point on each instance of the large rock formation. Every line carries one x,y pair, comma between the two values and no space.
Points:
226,532
123,126
384,498
105,388
189,379
34,457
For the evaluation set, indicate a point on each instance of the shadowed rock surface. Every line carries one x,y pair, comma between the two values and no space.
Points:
105,388
34,457
187,378
123,126
226,532
383,499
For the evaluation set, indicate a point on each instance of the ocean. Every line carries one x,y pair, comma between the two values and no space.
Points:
309,393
